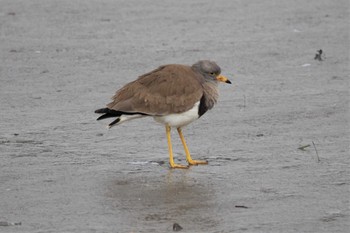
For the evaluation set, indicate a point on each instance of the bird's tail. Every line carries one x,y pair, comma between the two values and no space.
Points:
107,113
120,115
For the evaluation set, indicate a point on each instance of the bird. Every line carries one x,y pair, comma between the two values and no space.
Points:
174,95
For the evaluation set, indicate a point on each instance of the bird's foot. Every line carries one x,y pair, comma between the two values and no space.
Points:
197,162
175,165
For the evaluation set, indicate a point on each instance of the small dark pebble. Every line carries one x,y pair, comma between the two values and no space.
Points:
336,77
226,158
260,135
177,227
48,181
99,134
241,206
11,13
340,183
159,162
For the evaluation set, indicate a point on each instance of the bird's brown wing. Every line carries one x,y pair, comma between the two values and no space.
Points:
168,89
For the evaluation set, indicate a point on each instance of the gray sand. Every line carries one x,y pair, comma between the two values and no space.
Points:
62,171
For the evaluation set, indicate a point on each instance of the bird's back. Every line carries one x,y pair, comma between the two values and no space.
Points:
165,90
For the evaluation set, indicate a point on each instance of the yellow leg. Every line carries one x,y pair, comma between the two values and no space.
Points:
171,158
188,155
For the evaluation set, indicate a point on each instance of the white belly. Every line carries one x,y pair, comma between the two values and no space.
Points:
179,119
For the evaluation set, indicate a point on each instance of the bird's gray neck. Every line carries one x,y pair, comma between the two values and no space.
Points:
210,92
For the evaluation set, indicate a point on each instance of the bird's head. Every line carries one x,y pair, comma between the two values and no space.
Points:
210,71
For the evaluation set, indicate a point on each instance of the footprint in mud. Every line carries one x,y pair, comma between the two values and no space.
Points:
155,217
332,217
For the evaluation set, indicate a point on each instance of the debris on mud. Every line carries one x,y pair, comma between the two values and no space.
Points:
153,162
6,224
304,147
241,206
157,162
318,157
318,55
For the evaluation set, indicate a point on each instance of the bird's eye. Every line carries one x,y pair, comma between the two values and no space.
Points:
212,73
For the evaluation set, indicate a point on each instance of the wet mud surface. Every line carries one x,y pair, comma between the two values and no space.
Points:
277,142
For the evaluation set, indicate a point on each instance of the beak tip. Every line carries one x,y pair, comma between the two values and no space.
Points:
223,79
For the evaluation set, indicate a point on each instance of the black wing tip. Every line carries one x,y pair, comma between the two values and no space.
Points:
104,116
107,113
114,122
102,110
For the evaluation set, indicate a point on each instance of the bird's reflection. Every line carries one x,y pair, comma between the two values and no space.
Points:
175,195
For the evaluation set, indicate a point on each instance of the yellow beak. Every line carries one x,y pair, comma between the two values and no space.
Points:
223,79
